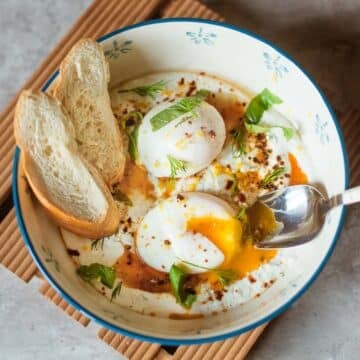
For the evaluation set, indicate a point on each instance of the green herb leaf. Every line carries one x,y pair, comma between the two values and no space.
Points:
287,131
184,106
225,276
259,104
132,131
272,176
147,90
189,300
95,271
116,291
239,142
177,278
241,215
176,165
256,128
118,195
133,148
97,244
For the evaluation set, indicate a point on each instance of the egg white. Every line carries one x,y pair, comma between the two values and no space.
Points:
196,140
162,238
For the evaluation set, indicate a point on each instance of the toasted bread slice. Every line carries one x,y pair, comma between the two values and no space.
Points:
70,188
82,88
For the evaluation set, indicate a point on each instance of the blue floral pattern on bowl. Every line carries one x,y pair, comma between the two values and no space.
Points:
118,49
49,258
201,37
274,63
321,130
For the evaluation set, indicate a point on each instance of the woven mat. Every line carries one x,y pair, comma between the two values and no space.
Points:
102,17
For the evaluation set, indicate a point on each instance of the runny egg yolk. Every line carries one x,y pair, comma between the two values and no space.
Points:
240,253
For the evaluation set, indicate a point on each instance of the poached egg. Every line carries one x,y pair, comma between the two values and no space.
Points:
196,228
194,139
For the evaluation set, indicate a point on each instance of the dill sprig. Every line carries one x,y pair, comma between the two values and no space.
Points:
150,90
176,165
116,291
272,176
225,276
184,106
239,142
97,244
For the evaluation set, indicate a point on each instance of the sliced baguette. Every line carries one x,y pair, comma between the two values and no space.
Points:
69,188
82,88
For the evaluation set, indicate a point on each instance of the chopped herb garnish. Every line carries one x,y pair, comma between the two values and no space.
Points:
241,215
96,271
116,291
259,104
239,142
287,131
97,244
147,90
132,131
132,147
184,106
121,197
177,279
254,112
272,176
176,165
225,276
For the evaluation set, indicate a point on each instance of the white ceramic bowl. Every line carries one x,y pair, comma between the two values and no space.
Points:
241,57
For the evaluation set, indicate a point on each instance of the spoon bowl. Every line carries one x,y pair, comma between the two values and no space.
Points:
300,212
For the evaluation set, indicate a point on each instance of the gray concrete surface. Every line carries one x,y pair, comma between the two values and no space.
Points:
323,36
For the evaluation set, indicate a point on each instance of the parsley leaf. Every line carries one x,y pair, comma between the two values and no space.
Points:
177,278
95,271
176,165
184,106
147,90
116,291
272,176
259,104
225,276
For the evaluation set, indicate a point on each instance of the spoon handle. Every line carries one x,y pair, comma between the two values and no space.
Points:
350,196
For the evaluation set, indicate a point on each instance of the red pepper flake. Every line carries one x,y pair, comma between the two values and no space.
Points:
229,184
241,197
167,242
180,197
73,252
212,134
218,295
252,279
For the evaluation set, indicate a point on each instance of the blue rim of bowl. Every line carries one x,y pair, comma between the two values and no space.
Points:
177,342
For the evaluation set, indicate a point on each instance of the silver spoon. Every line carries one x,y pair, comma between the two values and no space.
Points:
300,211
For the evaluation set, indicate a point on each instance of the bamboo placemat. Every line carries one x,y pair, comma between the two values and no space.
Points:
102,17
